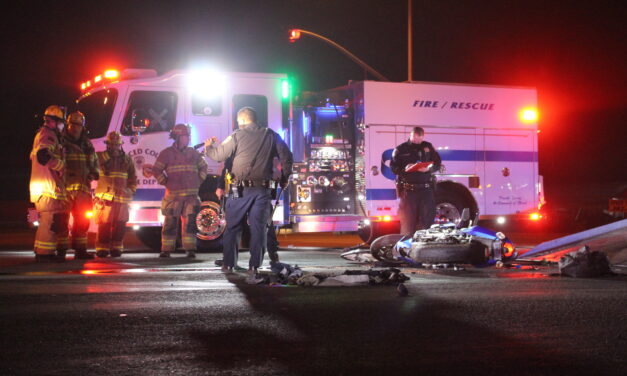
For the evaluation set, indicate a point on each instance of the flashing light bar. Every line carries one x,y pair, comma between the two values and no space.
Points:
535,216
110,74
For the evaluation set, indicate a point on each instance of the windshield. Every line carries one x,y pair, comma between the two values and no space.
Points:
98,108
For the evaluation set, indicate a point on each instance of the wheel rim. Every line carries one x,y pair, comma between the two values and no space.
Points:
447,212
210,221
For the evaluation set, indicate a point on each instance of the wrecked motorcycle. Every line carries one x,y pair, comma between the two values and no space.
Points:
445,244
440,244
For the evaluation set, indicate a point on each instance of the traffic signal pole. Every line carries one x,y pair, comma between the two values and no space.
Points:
295,34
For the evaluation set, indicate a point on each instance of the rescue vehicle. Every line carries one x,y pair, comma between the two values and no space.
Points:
342,140
144,106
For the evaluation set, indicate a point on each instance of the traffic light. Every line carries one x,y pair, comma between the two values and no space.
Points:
294,35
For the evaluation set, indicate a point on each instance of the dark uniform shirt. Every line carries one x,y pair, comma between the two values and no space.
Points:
409,153
252,150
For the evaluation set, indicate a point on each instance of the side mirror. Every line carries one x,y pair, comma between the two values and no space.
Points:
140,121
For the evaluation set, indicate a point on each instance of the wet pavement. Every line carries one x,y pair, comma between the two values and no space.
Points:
148,316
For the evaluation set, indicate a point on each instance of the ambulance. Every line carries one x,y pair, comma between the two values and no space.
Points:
343,139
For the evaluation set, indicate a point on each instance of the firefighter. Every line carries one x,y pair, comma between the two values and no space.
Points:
252,148
81,169
416,188
116,187
181,169
47,188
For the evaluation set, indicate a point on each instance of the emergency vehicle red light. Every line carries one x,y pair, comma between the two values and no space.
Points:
387,218
146,123
294,35
83,86
98,78
529,115
111,73
89,214
88,83
535,216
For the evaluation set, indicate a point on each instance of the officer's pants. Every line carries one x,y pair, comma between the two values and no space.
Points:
416,206
255,202
181,211
111,218
80,204
52,233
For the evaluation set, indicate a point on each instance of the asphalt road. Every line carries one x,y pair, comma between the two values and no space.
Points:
148,316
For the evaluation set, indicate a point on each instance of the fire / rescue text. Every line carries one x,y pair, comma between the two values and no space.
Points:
454,105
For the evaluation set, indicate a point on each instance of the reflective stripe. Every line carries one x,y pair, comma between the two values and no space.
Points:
182,192
76,157
116,174
79,187
182,168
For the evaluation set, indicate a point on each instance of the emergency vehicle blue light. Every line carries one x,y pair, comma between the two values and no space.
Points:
305,124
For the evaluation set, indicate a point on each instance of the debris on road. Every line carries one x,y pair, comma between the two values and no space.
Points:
285,274
584,264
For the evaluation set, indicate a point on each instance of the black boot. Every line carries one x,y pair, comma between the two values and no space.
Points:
83,255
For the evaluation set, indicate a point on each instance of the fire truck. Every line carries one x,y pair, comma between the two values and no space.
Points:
342,140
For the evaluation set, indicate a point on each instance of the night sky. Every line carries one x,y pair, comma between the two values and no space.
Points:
573,52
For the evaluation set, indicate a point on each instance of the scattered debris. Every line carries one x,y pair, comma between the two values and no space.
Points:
584,264
285,274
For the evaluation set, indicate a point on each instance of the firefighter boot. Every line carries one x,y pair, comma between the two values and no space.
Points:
191,254
61,256
164,254
83,255
45,258
116,253
102,253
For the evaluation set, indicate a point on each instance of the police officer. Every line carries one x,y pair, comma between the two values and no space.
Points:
81,169
116,187
252,148
273,242
182,170
47,188
415,189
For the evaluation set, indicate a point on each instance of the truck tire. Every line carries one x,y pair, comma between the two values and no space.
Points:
211,225
150,237
438,253
449,206
381,248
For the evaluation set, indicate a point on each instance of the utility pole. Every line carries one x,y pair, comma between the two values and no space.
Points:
409,43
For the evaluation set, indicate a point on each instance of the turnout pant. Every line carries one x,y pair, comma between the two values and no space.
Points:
52,233
80,203
179,212
111,218
416,205
254,202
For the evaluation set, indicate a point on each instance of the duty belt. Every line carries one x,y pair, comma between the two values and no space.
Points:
413,186
272,184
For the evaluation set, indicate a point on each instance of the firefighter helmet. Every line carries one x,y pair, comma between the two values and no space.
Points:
114,138
180,130
55,112
77,118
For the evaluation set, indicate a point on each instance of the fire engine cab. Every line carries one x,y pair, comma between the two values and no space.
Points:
144,106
